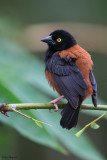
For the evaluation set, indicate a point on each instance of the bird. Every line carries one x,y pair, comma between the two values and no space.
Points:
69,70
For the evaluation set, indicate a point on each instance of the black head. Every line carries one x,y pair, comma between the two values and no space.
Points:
59,40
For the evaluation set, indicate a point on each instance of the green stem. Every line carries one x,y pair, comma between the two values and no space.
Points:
39,123
78,134
27,106
96,119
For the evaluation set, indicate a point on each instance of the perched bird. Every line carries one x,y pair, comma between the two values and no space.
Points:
69,72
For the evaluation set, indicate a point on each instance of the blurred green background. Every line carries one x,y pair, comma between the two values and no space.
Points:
22,79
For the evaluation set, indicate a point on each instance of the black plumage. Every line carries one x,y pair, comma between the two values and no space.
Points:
72,84
94,86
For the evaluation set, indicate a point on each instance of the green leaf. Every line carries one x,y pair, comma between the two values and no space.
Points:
94,126
23,80
78,134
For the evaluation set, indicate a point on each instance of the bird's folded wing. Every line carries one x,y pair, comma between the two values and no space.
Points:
94,86
68,78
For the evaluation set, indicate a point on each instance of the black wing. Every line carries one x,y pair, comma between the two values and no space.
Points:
68,78
94,86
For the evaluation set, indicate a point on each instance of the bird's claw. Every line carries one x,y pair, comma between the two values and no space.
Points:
50,110
55,104
56,107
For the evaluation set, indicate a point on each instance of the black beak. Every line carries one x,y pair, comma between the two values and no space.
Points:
47,39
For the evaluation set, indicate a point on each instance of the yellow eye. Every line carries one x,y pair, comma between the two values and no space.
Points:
59,40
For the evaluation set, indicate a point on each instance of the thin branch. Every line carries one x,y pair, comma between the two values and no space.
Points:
78,134
26,106
4,108
36,121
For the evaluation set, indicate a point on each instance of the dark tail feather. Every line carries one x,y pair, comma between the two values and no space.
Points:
94,98
69,116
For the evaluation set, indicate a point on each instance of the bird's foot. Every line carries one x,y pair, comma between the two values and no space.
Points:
3,109
54,102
